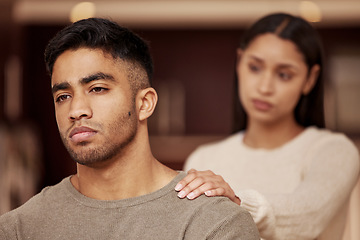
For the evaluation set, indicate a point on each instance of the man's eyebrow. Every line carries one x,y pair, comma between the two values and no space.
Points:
83,81
60,86
96,76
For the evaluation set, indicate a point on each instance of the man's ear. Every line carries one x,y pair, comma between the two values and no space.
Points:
311,79
146,102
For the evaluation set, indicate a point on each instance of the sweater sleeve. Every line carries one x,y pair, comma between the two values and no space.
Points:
261,211
326,187
2,235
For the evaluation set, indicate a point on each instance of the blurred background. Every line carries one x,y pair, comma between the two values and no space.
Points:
193,45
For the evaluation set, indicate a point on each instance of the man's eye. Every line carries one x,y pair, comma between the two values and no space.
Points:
98,89
62,98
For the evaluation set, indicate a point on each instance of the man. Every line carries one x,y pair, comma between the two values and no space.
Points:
100,77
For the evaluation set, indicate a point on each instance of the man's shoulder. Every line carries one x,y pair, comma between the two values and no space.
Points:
222,218
49,214
217,205
36,204
202,204
9,221
213,217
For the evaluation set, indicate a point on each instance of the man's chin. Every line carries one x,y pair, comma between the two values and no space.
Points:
90,157
92,163
82,162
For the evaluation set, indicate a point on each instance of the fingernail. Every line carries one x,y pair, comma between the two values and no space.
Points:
207,193
181,194
178,187
191,195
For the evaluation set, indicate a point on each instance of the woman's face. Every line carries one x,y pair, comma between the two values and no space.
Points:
272,76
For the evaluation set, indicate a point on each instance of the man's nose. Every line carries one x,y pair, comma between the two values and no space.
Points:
80,108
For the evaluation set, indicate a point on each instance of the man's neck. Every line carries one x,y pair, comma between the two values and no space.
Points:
122,179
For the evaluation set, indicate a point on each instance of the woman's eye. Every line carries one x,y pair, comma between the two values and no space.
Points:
62,98
285,76
254,68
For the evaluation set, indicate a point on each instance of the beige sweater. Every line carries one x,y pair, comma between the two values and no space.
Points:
61,212
298,191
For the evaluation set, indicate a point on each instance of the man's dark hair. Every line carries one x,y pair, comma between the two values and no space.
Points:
98,33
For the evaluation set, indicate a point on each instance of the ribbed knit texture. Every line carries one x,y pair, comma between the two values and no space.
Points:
61,212
298,191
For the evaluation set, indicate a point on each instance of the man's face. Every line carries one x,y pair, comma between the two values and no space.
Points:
95,108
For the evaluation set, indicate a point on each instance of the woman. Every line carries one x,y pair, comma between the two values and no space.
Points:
291,174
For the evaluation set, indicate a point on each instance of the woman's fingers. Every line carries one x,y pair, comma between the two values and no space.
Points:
205,187
196,183
199,182
191,176
186,180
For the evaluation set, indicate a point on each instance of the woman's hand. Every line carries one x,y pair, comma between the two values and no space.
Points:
207,182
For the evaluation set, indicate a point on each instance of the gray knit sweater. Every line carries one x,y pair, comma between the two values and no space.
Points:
61,212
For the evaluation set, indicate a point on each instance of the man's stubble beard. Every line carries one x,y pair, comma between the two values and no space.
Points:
126,125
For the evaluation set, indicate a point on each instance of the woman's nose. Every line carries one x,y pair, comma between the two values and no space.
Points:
266,84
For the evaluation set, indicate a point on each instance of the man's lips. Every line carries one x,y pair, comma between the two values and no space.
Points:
80,134
262,105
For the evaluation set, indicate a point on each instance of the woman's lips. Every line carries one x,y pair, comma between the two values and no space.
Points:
81,134
262,105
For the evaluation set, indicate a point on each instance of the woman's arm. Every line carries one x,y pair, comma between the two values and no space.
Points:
303,214
331,174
